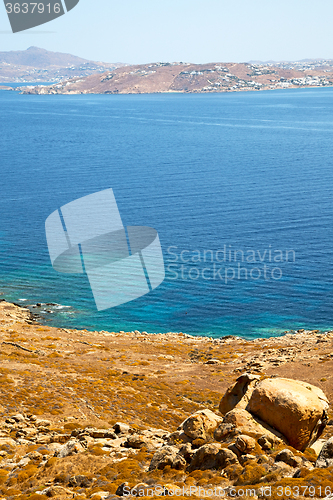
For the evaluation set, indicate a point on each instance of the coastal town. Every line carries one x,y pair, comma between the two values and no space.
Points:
194,78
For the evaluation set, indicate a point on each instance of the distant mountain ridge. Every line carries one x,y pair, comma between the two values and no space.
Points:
40,58
36,64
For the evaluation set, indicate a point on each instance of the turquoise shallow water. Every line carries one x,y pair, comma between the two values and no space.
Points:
238,186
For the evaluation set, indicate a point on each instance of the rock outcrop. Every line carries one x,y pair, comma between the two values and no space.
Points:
294,408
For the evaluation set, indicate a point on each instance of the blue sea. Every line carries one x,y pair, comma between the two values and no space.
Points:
237,185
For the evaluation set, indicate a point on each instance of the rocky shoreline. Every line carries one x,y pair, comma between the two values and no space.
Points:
116,414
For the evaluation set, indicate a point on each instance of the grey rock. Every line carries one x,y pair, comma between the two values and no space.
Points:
80,481
122,489
325,458
282,469
288,458
69,448
266,442
138,441
186,452
167,455
245,444
178,438
212,456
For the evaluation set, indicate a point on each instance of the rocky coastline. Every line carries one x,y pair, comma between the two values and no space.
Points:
110,415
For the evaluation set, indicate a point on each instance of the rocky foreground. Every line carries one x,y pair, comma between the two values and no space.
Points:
115,415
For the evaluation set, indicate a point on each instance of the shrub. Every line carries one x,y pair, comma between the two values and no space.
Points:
51,462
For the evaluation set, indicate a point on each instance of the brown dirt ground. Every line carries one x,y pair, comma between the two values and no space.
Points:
81,378
156,380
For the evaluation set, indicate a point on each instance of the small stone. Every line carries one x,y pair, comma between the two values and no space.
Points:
120,428
34,455
266,442
42,423
122,489
80,481
55,491
138,441
18,417
245,444
100,495
69,449
317,446
288,458
99,433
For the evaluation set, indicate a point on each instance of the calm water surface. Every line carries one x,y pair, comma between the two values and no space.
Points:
238,186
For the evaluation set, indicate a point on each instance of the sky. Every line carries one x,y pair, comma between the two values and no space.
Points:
134,32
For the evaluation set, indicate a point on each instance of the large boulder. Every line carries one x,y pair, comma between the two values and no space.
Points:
239,394
200,425
325,458
296,409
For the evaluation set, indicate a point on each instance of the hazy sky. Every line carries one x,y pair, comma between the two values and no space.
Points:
134,31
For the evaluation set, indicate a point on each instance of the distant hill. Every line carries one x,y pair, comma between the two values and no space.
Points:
70,74
36,64
40,58
196,78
